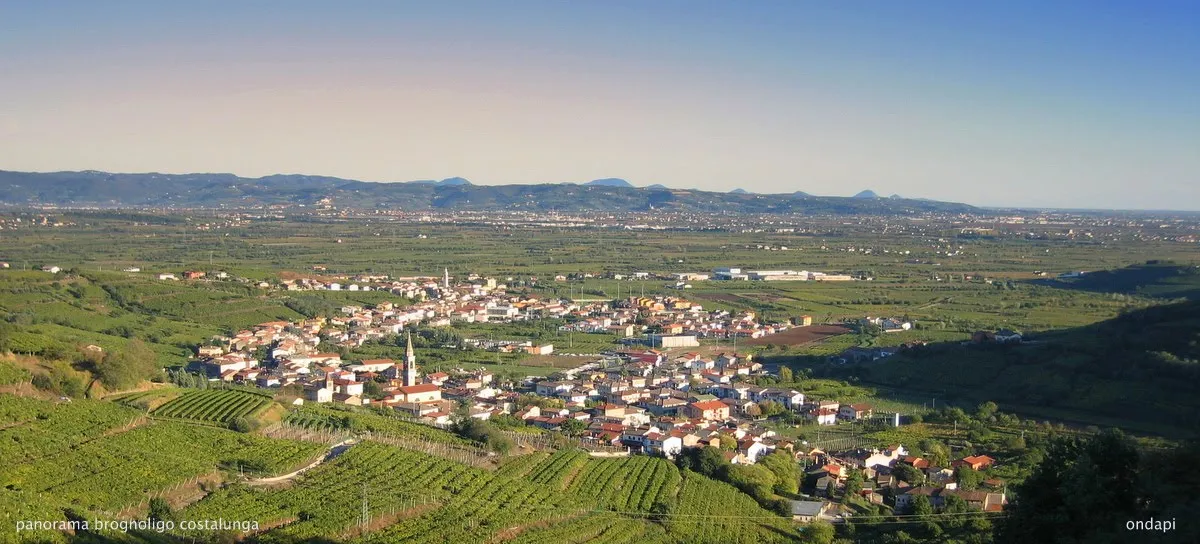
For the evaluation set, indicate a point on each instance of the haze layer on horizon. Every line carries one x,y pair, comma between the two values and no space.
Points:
1060,104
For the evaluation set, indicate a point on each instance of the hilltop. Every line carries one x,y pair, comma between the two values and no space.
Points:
220,190
609,182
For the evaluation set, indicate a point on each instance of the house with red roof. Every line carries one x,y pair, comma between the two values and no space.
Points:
975,462
712,410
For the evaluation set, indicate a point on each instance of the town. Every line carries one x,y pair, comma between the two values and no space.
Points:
655,397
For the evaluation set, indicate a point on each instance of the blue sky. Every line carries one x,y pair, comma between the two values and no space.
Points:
1071,104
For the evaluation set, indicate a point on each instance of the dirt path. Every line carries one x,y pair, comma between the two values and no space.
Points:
334,451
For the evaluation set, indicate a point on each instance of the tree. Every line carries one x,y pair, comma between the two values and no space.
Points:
1014,443
967,477
785,469
160,510
817,532
908,473
921,506
854,484
123,369
785,375
754,480
372,390
771,408
986,411
938,454
573,427
1082,491
241,425
704,460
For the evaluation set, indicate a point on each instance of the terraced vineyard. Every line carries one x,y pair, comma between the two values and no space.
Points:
322,418
147,400
482,509
628,484
556,468
328,499
214,406
708,511
34,429
119,469
604,528
12,374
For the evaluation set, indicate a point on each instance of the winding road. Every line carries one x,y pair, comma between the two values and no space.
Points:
334,451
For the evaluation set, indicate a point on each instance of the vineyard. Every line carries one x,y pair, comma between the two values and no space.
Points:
555,469
481,509
321,418
328,499
33,429
628,484
222,305
146,400
708,511
605,528
219,406
12,374
119,469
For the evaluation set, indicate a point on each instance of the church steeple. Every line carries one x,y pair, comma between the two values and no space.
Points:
410,363
446,278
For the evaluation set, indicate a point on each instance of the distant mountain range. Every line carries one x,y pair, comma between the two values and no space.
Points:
104,189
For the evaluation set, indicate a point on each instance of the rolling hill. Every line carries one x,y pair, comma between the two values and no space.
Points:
1139,370
112,190
1152,279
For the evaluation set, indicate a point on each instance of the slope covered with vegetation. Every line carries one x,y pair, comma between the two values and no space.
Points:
1160,279
1140,369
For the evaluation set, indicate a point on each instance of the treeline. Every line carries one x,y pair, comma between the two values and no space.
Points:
1105,489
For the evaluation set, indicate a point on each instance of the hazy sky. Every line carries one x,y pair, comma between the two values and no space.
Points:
1041,103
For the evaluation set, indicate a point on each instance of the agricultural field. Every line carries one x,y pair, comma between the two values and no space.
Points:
219,406
599,528
11,374
118,468
948,286
709,511
328,500
362,420
31,429
630,484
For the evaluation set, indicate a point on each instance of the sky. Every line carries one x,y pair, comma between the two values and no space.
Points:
1083,104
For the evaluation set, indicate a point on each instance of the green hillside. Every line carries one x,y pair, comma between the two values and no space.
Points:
1140,369
1152,279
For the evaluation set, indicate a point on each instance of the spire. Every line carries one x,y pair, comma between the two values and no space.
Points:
446,278
410,364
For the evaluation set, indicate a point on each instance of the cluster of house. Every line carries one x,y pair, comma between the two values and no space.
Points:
641,400
730,273
878,468
670,322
